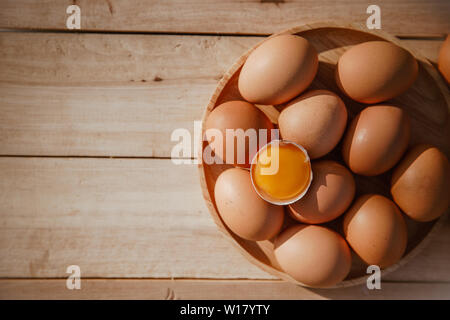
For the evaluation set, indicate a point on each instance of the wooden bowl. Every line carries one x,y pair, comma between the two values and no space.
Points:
427,103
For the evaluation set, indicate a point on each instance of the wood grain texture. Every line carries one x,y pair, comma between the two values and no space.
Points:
131,218
112,217
111,95
400,17
105,95
210,289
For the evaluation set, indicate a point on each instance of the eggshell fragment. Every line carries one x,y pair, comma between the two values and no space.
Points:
313,255
315,120
242,210
376,230
376,139
278,70
330,194
237,115
421,183
444,59
375,71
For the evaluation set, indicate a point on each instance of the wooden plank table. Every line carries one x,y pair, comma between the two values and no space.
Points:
85,122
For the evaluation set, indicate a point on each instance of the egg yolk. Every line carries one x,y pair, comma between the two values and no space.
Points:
287,180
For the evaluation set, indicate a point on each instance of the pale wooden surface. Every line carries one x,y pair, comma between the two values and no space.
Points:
84,95
90,96
171,289
131,218
400,17
113,218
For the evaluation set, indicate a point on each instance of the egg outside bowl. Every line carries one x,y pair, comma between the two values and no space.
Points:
266,196
428,126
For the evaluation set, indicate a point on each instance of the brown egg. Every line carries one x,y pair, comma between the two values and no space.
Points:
278,70
376,139
242,210
315,120
330,194
237,115
421,183
313,255
375,71
444,59
376,230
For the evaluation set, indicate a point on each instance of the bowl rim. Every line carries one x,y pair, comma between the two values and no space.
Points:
211,104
